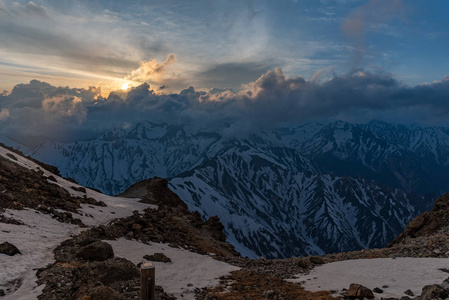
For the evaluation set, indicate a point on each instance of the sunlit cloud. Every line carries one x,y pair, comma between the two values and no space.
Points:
65,106
271,100
152,70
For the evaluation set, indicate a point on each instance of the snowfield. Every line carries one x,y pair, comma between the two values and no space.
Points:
187,271
398,274
36,240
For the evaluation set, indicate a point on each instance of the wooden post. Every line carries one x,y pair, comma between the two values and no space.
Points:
147,281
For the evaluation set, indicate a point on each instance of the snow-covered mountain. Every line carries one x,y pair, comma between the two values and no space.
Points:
273,205
297,189
413,158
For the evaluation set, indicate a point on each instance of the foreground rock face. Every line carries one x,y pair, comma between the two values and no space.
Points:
9,249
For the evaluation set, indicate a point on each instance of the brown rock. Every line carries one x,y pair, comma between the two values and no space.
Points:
9,249
160,257
434,291
358,291
316,260
96,251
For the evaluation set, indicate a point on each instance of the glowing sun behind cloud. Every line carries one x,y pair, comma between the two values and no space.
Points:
125,86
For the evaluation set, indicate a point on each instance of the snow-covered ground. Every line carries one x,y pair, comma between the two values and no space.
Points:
35,240
398,274
41,233
183,275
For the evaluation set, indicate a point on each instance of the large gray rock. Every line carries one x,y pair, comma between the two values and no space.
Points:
96,251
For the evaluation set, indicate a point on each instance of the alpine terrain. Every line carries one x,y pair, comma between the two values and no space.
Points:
294,190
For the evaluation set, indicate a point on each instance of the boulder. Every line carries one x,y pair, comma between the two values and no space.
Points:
160,257
434,291
378,290
108,272
358,291
316,260
409,292
96,251
9,249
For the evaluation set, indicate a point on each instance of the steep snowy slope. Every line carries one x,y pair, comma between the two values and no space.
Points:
119,158
412,158
276,209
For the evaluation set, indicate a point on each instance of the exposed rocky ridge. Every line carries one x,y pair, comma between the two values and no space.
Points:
23,188
427,224
47,167
173,222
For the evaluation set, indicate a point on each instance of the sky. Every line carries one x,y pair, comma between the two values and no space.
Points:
315,53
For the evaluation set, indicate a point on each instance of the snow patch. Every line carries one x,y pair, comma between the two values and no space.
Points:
184,274
398,274
36,241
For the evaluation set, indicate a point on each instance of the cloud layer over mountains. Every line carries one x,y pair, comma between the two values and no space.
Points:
38,108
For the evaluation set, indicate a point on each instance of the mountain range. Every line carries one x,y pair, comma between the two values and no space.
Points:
294,190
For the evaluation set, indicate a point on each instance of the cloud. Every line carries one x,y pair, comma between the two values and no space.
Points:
271,100
4,114
231,75
152,70
65,106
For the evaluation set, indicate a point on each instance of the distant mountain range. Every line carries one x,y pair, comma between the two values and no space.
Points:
294,190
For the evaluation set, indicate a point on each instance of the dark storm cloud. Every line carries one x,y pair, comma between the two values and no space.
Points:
271,100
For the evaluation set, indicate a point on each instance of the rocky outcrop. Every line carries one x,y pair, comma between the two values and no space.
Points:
86,269
172,223
23,188
427,223
9,249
